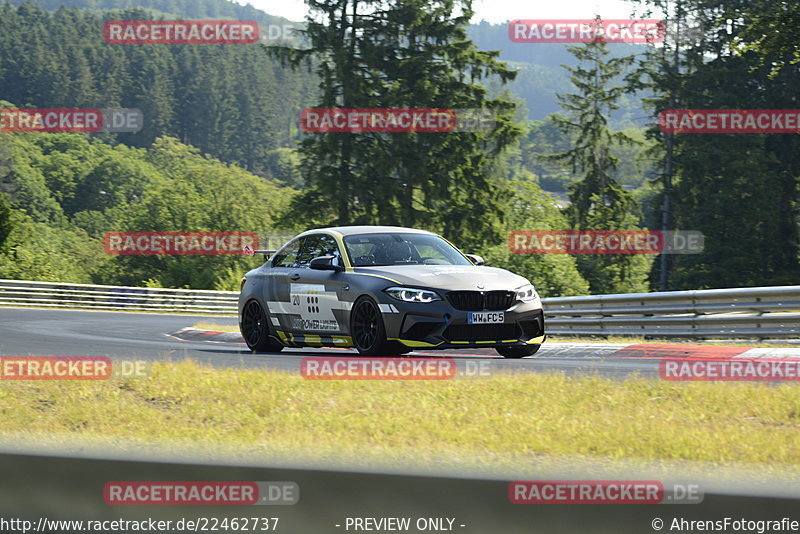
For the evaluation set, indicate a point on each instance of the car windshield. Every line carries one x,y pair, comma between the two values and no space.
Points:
367,250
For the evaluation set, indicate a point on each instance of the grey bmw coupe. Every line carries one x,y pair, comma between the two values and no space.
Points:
385,291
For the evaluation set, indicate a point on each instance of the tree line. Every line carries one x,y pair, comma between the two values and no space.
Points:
231,101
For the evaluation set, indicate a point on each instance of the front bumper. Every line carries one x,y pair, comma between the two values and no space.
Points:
439,325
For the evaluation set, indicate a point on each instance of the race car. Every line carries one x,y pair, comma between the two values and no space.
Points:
385,290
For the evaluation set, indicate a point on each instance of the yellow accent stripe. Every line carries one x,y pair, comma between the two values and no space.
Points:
535,341
312,339
378,275
412,343
340,241
291,339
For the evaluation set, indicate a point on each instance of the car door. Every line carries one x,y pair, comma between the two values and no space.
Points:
277,285
315,296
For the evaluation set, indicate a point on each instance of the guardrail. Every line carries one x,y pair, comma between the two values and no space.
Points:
63,295
755,312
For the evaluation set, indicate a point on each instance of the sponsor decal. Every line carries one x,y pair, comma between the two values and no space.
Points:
731,369
729,120
180,32
602,492
314,325
116,120
586,30
200,493
178,243
311,308
450,270
604,242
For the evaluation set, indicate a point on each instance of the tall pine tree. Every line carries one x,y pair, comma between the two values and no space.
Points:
404,54
597,201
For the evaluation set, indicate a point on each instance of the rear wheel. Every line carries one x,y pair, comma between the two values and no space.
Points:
255,329
368,330
517,352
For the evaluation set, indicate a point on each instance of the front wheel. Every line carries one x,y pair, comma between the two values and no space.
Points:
255,329
518,352
368,330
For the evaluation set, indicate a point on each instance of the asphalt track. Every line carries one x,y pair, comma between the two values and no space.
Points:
151,337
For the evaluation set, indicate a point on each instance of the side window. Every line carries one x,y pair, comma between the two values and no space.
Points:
287,256
315,246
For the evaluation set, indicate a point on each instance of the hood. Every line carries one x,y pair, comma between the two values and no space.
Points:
449,277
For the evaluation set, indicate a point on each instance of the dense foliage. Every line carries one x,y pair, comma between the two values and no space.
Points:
231,101
69,190
741,190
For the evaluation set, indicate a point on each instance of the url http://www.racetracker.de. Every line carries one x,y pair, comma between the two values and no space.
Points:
195,524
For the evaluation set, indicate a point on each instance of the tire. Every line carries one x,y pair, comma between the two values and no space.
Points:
367,329
517,352
255,329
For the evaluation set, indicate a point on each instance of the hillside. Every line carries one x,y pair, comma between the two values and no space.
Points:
200,9
233,102
540,77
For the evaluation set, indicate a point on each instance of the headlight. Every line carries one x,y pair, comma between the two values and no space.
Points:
410,294
526,293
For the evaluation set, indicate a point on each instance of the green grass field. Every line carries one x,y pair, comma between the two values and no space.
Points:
498,422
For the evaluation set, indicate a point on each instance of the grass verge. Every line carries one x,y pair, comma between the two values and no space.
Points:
498,422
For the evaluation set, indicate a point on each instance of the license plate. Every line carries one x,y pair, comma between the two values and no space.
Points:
485,317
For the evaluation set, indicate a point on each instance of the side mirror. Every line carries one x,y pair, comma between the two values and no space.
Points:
325,263
475,259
